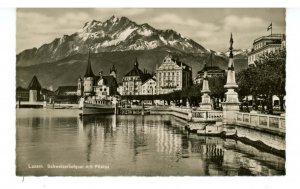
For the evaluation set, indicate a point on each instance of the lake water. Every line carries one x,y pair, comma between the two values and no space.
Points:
60,143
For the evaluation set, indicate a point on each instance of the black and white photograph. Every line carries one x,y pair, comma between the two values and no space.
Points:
150,92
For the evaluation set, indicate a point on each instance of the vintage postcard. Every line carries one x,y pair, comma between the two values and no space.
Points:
150,92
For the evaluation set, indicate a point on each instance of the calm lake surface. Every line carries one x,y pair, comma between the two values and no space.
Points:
59,143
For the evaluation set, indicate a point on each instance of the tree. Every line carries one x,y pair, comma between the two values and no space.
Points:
272,77
216,86
247,81
265,79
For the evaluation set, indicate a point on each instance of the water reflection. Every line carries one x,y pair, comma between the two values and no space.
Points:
131,145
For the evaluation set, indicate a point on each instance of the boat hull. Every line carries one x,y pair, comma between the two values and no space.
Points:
90,109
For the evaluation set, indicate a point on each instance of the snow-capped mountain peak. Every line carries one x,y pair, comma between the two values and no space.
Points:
115,34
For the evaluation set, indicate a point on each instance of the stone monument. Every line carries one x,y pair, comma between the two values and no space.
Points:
231,104
206,101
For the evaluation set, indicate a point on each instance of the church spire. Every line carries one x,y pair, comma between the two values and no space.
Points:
113,69
136,63
89,72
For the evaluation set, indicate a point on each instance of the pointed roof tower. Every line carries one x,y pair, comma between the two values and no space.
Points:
136,63
89,71
113,69
34,84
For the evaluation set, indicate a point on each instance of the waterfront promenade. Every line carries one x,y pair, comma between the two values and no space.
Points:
261,130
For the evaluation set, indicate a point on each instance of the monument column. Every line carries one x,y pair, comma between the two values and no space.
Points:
206,101
231,104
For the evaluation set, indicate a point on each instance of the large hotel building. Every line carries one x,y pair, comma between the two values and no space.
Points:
265,44
172,75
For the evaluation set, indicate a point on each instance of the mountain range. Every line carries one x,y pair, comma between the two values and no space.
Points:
116,41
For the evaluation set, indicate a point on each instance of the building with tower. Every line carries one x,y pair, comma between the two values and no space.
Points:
113,72
133,80
172,75
79,87
88,80
266,44
211,71
100,86
34,90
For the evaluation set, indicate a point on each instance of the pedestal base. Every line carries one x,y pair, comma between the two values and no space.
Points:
229,112
205,106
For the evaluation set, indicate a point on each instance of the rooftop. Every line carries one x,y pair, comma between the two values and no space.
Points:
212,69
109,80
63,89
270,37
34,84
89,72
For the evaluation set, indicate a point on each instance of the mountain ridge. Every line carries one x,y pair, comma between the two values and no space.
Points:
116,41
115,34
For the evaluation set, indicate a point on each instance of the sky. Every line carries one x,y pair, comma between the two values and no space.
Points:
210,27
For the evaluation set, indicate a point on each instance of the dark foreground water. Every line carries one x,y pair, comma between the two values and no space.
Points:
58,142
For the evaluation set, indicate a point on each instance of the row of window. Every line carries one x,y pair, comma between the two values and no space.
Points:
160,74
130,78
259,45
254,57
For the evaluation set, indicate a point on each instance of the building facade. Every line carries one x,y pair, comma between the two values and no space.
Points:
66,90
266,44
149,87
212,71
99,86
172,75
133,80
105,86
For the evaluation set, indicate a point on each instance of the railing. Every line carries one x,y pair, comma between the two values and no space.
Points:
183,110
207,115
271,122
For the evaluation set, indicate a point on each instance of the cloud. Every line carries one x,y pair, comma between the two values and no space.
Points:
73,19
189,22
108,12
37,28
234,22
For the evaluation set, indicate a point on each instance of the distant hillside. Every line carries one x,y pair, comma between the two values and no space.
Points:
115,41
66,71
